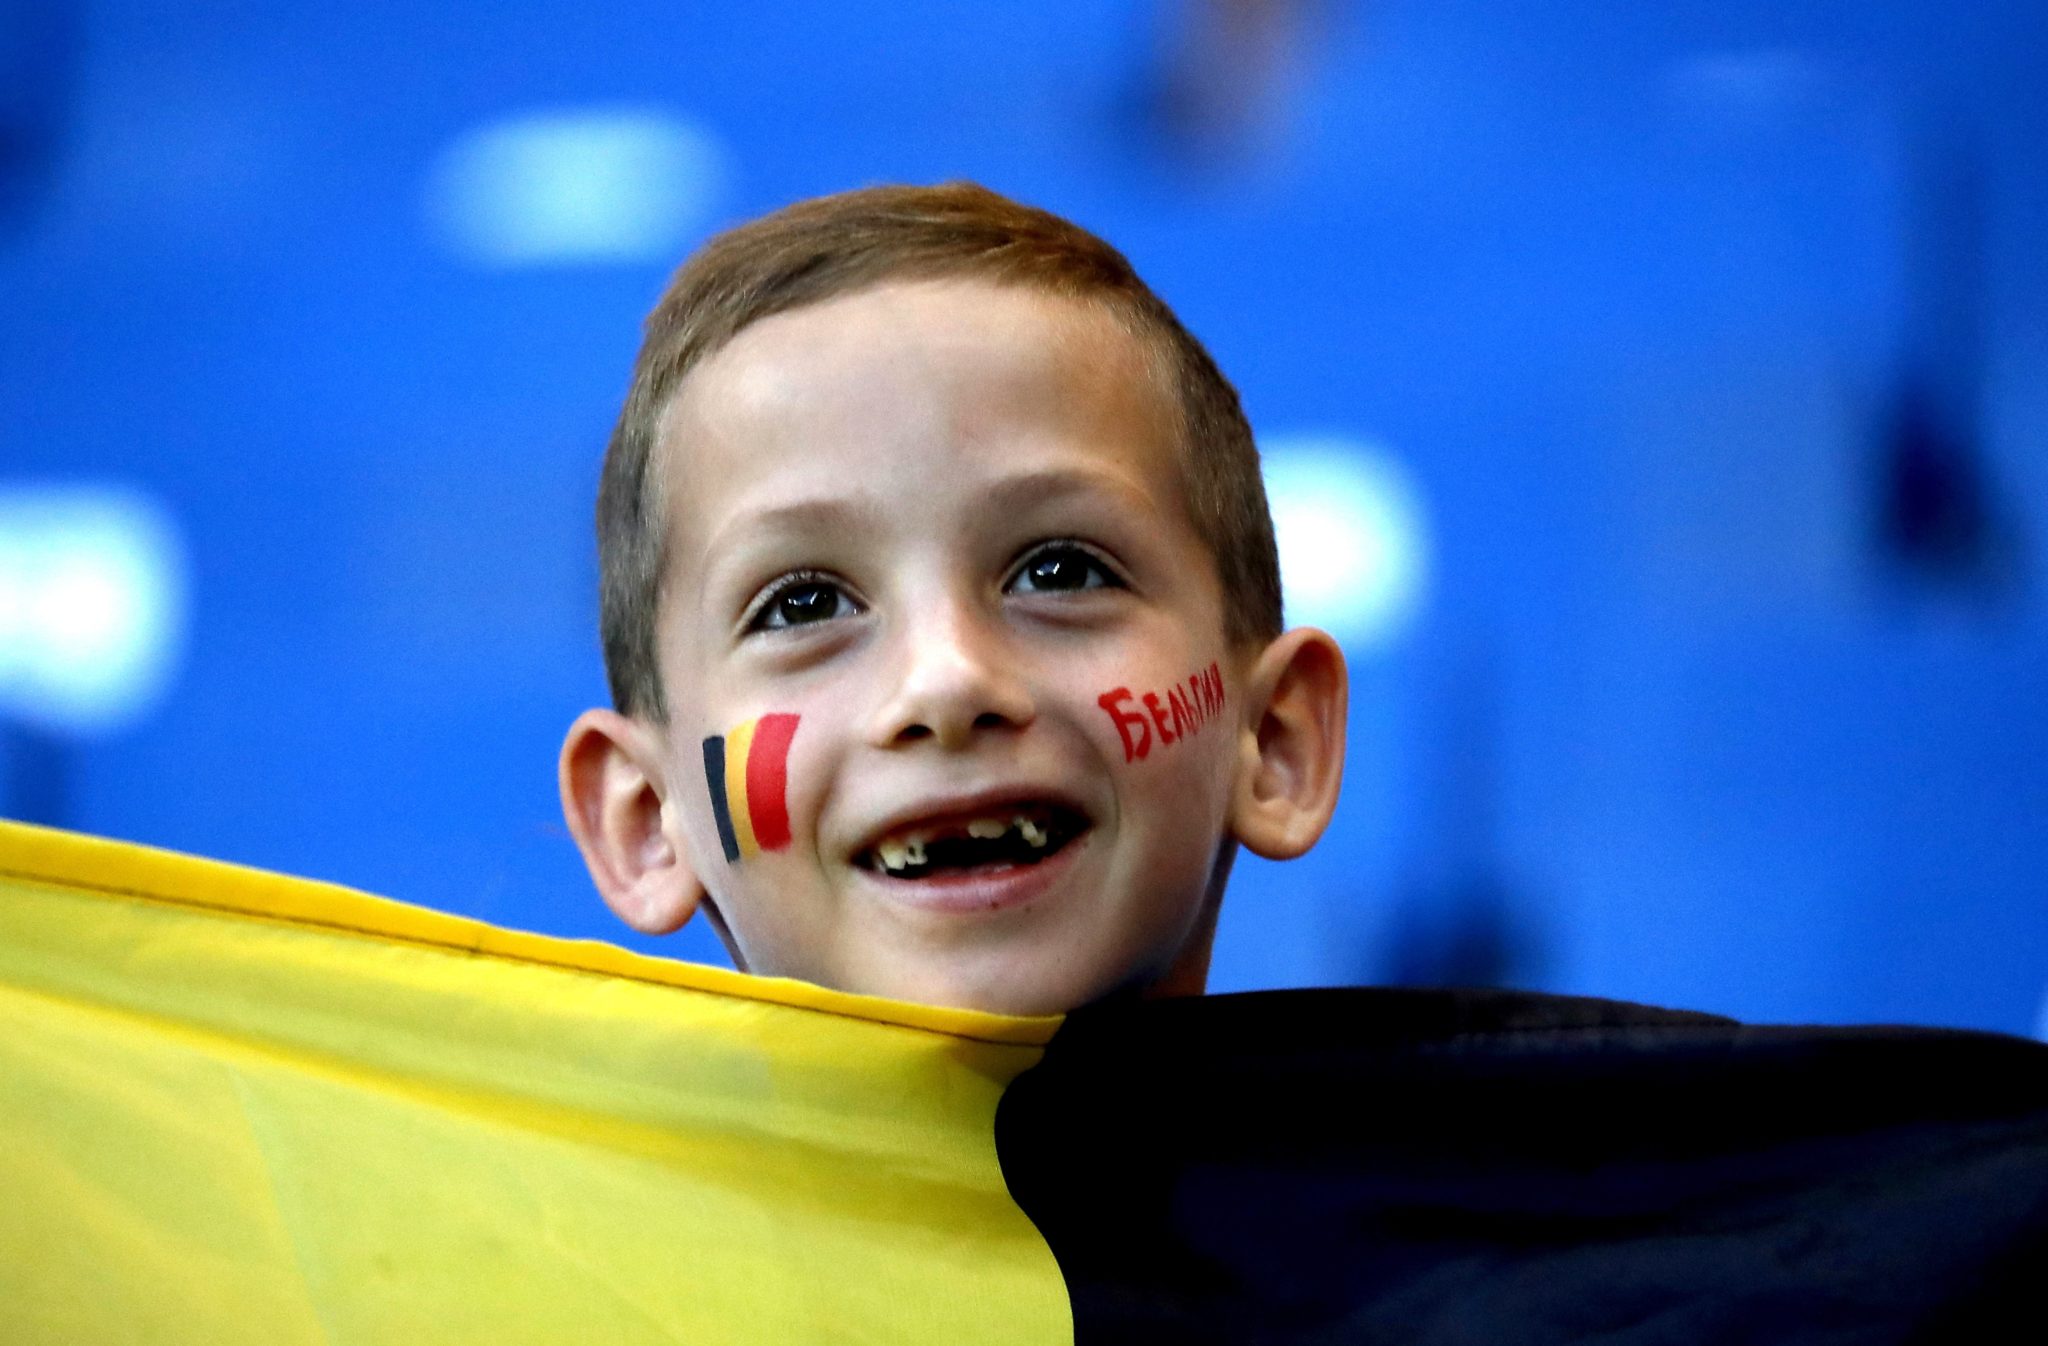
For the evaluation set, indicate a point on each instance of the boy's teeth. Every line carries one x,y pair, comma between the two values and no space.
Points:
901,852
907,849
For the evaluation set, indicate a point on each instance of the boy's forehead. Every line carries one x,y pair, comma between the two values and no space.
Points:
894,356
1032,335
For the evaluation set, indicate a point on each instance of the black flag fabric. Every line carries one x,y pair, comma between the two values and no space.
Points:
1432,1168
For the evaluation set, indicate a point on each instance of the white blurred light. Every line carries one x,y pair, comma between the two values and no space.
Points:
1745,86
1353,534
92,606
577,185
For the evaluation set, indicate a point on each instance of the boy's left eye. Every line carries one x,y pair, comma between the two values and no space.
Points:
1062,567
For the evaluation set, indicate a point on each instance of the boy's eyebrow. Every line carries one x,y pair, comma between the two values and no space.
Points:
828,514
1018,491
1039,485
799,516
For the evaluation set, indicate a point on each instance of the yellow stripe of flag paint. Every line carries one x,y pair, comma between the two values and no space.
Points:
738,745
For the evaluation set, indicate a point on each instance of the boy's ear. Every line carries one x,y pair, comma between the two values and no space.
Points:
1293,756
614,796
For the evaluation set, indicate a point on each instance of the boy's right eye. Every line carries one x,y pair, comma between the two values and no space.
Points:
800,600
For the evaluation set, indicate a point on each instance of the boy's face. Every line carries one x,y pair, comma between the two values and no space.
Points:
941,524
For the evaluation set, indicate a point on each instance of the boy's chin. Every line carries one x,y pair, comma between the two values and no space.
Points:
1018,995
1032,987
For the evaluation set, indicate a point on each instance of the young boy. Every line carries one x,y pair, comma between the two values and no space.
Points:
942,617
943,624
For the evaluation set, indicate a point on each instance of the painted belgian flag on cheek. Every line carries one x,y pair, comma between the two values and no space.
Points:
747,773
244,1108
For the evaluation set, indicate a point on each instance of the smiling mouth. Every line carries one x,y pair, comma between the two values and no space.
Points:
1017,836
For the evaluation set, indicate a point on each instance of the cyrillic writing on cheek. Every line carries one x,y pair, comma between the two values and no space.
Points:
747,772
1165,718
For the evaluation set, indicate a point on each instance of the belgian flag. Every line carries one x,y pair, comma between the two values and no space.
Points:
239,1107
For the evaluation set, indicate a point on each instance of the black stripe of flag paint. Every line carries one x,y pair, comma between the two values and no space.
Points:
714,775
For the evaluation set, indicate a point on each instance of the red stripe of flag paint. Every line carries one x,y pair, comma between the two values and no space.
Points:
768,780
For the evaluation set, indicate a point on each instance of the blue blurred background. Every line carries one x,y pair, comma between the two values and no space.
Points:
1654,395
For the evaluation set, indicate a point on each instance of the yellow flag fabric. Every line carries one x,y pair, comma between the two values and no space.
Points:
239,1107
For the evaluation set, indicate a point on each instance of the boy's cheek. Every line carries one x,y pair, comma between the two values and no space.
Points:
1149,717
764,779
747,783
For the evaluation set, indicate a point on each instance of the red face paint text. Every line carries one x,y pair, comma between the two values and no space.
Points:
1186,708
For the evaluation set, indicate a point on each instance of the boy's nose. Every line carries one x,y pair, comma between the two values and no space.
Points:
954,679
